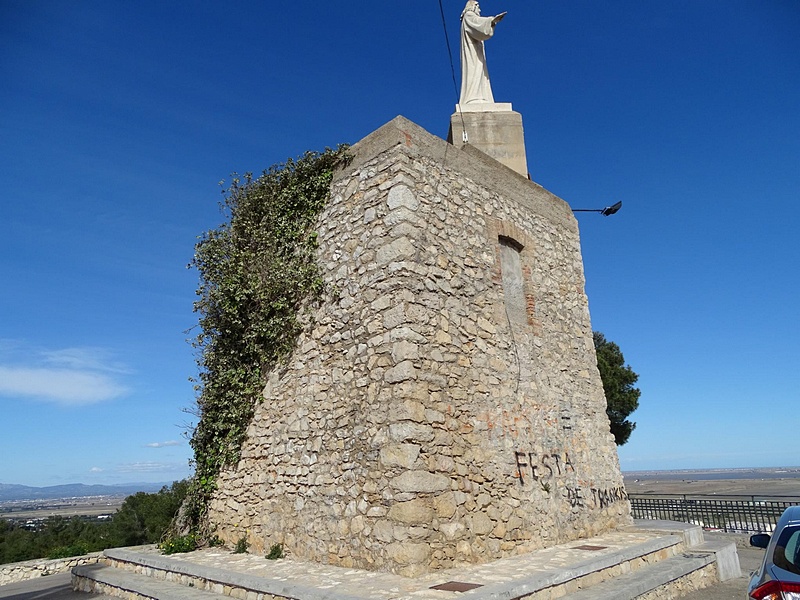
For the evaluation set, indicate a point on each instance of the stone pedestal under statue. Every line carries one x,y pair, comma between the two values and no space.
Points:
494,129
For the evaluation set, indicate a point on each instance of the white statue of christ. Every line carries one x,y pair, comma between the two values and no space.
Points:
475,29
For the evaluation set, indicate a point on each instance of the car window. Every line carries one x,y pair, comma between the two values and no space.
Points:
787,550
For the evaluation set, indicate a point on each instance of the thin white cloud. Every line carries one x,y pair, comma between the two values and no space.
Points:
73,388
92,359
163,444
149,467
96,470
68,376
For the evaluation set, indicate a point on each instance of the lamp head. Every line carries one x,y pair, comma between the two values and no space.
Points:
610,210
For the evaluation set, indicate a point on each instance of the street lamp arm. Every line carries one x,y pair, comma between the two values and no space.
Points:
606,212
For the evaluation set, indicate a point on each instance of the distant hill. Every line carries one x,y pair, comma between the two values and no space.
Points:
10,491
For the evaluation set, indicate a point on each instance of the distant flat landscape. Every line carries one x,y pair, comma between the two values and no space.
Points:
95,506
12,491
782,481
23,503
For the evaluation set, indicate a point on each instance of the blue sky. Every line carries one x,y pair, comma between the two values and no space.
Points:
119,119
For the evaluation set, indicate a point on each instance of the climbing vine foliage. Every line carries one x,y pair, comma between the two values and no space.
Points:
258,277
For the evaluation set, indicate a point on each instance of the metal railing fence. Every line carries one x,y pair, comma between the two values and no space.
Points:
737,514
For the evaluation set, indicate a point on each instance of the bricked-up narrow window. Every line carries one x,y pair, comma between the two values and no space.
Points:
513,289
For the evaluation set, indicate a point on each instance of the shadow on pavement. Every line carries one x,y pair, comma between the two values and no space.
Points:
52,587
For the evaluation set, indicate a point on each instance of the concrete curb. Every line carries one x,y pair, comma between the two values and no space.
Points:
635,584
540,581
726,556
226,578
139,585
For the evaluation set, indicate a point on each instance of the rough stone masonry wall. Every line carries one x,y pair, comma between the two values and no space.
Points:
442,410
40,567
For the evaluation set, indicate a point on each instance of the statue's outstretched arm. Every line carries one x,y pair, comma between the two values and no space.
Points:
499,18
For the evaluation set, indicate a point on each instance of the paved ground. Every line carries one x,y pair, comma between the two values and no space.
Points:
507,577
57,587
735,589
52,587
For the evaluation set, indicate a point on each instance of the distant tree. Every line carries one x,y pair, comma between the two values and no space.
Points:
16,543
55,537
144,518
618,379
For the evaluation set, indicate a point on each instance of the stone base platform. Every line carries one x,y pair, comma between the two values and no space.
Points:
654,559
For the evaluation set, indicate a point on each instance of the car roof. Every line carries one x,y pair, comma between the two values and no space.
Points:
794,512
790,516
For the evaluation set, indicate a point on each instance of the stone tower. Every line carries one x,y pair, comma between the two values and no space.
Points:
445,407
